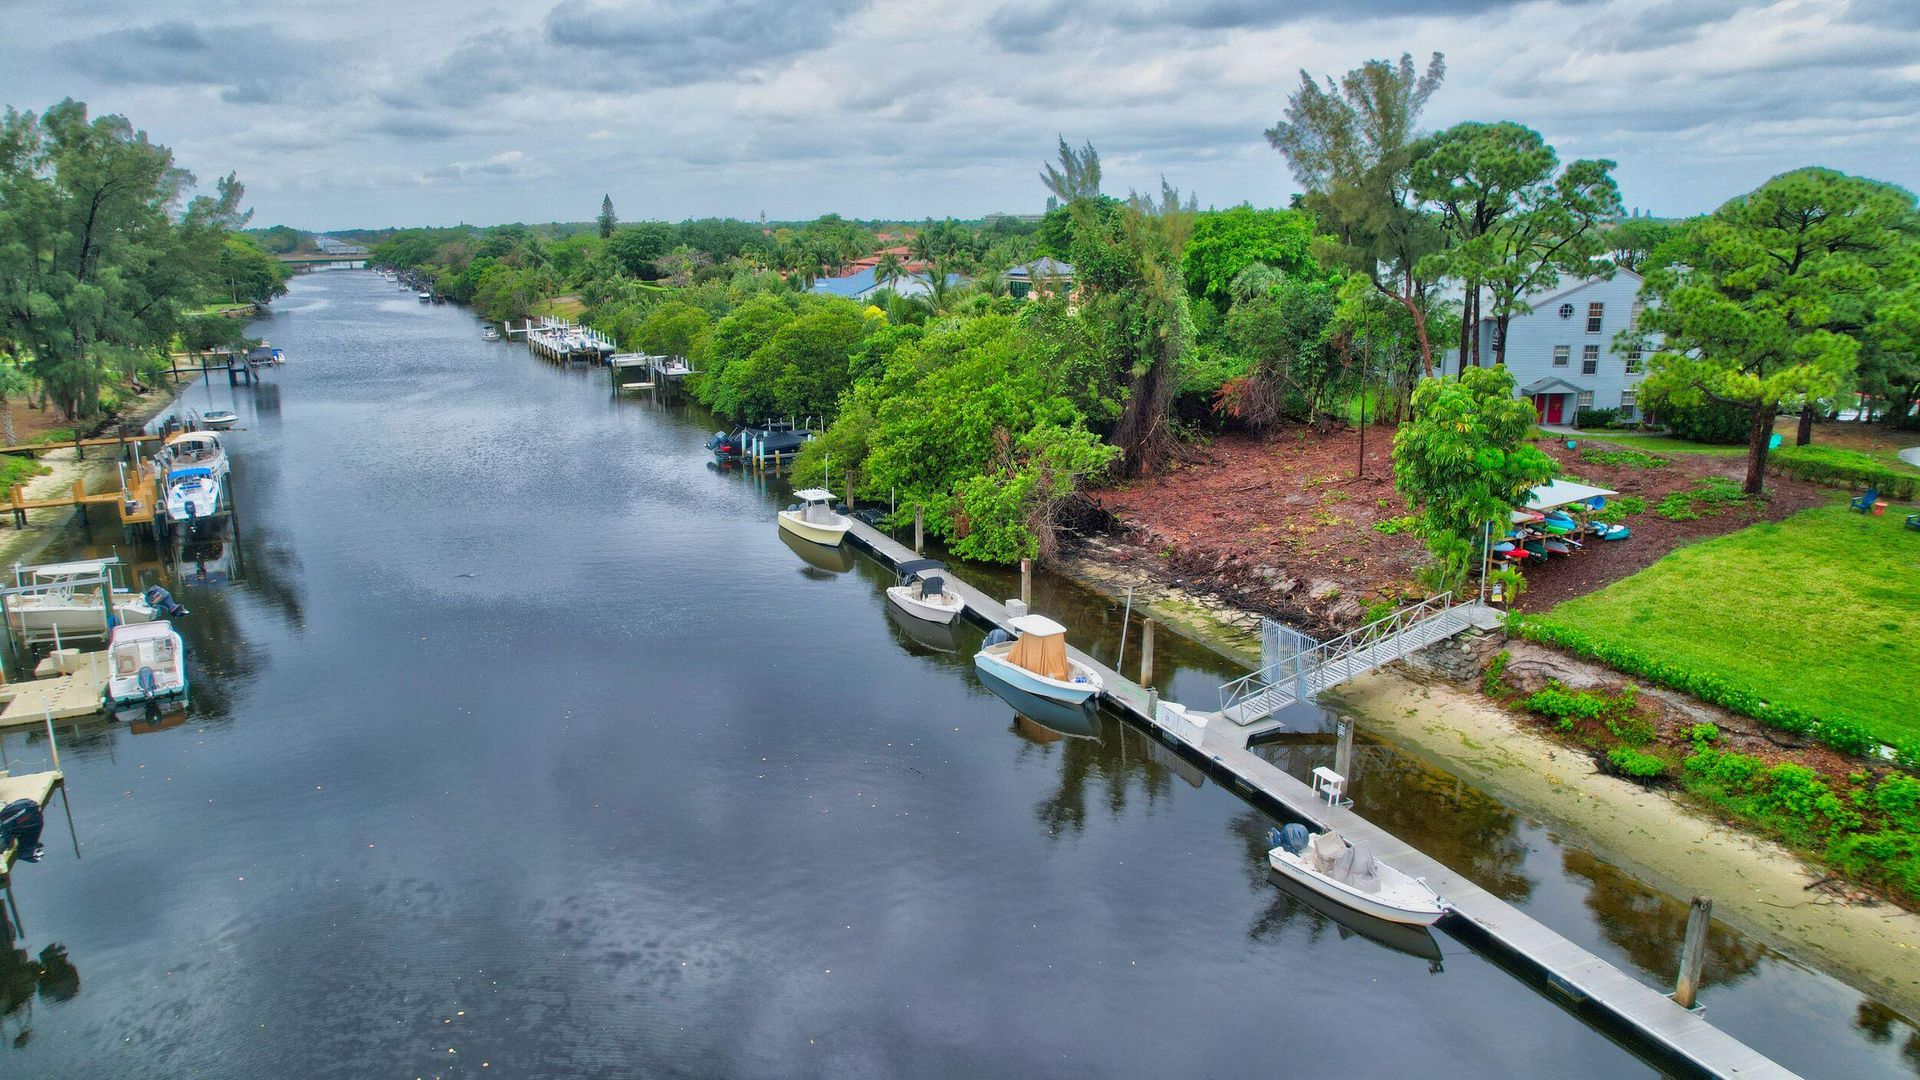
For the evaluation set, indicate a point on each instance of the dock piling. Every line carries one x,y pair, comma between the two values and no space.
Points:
1343,746
1146,653
1693,952
1026,582
919,529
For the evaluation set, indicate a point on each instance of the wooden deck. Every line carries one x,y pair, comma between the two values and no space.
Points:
1221,748
79,445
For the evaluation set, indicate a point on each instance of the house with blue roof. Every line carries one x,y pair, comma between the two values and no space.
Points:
863,284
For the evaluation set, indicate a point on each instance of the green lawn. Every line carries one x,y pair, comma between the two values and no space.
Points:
1821,611
1664,444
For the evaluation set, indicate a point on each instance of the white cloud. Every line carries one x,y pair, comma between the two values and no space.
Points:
371,113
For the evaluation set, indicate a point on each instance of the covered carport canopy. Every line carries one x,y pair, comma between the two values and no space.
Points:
1564,492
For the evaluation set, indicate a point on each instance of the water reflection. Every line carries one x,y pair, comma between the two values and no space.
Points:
1883,1026
1648,926
48,977
921,636
821,561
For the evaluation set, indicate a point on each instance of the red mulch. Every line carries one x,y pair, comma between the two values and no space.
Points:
1284,525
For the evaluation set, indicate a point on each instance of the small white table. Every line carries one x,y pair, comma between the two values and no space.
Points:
1330,786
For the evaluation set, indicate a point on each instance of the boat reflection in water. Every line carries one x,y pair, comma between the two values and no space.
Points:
934,637
822,561
1400,937
1077,721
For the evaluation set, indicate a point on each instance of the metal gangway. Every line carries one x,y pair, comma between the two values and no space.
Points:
1294,667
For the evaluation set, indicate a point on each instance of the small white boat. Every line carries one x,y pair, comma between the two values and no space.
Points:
813,518
426,297
923,593
146,667
1037,662
490,334
219,419
1348,874
196,467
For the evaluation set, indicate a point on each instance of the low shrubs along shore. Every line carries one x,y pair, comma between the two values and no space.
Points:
1865,827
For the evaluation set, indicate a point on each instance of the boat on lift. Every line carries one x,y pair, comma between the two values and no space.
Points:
1036,661
60,605
146,669
923,593
813,518
1346,873
196,467
219,419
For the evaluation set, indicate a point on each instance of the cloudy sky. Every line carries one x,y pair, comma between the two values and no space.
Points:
375,112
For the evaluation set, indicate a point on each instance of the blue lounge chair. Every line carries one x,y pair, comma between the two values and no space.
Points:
1913,522
1864,504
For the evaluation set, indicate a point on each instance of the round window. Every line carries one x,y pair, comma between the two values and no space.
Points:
1566,311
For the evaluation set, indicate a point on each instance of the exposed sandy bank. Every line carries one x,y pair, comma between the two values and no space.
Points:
1758,886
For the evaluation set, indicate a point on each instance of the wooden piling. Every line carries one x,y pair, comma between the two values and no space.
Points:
919,530
1693,952
1343,746
1026,583
1146,653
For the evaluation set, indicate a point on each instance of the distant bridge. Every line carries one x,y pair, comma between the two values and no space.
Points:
307,261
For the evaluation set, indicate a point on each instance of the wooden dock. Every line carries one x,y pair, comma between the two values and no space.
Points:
79,446
134,502
1587,982
55,694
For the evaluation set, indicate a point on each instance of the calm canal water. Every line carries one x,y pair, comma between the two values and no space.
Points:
522,745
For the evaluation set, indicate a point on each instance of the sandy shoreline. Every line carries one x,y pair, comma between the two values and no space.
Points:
45,526
1758,886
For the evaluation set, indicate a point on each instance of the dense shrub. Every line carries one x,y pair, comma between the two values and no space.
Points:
1843,735
1588,418
1707,422
1636,763
1835,467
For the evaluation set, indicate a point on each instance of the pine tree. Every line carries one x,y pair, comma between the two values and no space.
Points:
607,218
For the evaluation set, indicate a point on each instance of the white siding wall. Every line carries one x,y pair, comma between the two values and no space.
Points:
1531,340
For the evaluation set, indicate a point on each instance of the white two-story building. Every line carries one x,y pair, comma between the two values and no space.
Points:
1562,354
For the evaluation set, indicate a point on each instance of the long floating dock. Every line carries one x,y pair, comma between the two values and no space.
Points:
1584,978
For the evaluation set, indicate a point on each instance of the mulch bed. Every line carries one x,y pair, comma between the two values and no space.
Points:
1284,525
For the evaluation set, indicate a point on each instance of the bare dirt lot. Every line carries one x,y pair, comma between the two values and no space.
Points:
1285,524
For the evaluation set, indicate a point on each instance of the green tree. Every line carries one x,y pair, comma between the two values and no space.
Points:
674,328
98,254
1226,242
1286,331
640,245
1464,460
13,383
608,220
1765,302
1351,145
1631,243
889,271
248,275
732,341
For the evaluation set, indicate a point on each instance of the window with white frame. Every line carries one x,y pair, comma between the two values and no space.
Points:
1633,360
1639,309
1590,360
1561,354
1628,400
1595,312
1584,400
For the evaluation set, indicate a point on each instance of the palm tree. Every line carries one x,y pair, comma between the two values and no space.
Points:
889,271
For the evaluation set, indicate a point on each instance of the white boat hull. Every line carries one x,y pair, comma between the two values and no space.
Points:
161,654
1401,899
830,533
43,615
992,661
942,609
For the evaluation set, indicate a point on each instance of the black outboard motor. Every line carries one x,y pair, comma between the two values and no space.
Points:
163,602
20,822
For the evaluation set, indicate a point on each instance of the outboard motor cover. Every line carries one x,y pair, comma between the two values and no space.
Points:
1293,838
163,602
20,822
998,637
148,683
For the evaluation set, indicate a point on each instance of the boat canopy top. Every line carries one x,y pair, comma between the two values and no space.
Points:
1042,654
1037,626
206,438
190,472
813,495
916,567
79,568
1562,492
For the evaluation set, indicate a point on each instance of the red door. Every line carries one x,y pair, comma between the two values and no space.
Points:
1554,404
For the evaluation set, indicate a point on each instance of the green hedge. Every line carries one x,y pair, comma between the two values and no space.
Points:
1835,467
1843,735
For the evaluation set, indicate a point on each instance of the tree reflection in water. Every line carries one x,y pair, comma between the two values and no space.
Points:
50,976
1110,764
1882,1025
1649,927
